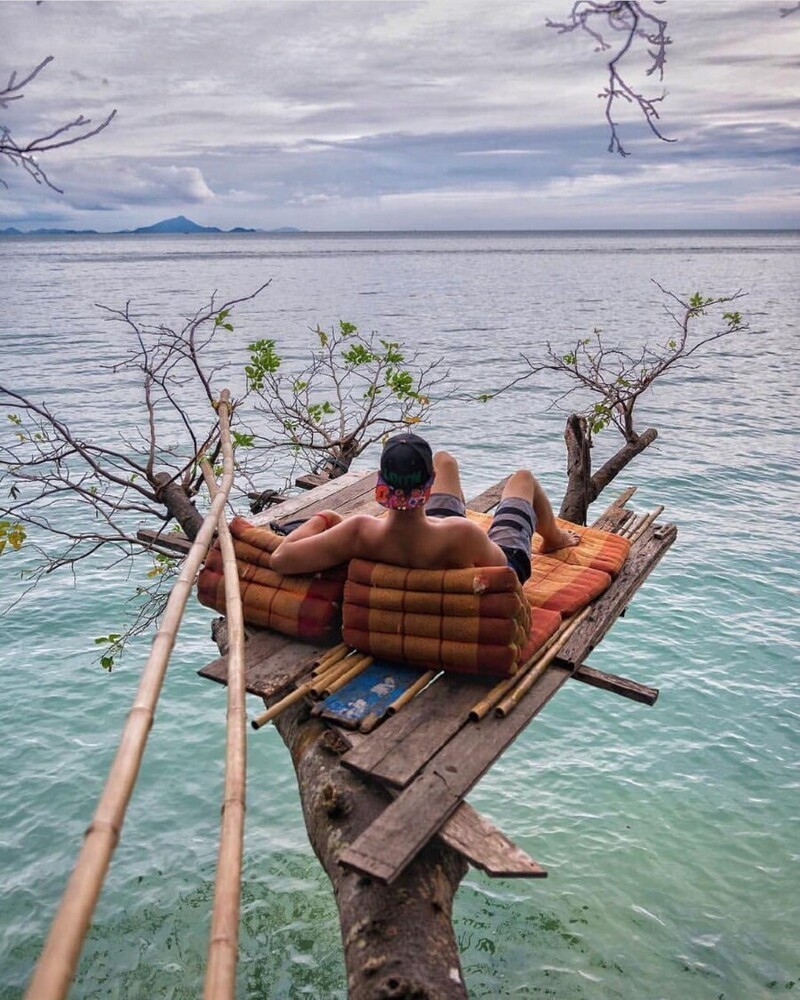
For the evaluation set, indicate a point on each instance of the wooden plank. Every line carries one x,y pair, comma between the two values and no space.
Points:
483,845
384,849
618,685
311,480
173,541
486,847
316,499
402,746
273,663
644,556
489,498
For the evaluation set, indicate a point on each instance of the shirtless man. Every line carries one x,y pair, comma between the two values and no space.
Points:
426,527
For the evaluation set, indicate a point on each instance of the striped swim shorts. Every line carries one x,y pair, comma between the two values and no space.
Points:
512,526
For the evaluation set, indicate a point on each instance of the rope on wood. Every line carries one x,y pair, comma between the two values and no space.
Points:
56,966
223,948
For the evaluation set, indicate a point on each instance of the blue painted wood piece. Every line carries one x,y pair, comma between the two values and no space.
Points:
369,694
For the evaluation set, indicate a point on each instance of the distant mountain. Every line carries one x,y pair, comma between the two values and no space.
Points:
48,232
178,225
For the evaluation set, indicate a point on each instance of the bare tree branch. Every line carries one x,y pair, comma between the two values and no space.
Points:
354,390
26,154
634,23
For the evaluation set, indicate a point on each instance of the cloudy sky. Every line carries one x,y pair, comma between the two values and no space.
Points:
400,115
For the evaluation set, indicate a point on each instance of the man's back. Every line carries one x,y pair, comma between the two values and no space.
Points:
402,538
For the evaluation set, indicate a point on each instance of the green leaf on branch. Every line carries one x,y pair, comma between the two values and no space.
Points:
112,641
264,361
242,440
392,355
358,354
219,320
162,563
347,329
11,533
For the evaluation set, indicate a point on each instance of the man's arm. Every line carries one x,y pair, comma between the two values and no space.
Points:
324,540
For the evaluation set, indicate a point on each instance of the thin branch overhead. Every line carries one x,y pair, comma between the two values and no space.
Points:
26,154
639,32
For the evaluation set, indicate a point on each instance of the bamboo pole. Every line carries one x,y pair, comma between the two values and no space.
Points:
412,692
631,526
56,965
333,685
223,948
322,685
484,706
526,683
329,658
646,523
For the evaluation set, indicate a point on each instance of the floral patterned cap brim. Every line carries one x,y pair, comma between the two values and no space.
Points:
394,498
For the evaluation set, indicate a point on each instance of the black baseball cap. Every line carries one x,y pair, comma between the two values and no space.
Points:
406,472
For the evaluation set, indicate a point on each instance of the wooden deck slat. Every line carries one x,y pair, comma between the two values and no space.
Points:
617,685
402,746
272,663
319,498
385,848
487,847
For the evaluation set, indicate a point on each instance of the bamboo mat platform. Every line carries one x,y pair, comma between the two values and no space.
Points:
431,753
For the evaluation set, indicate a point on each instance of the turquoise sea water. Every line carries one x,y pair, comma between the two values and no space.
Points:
671,833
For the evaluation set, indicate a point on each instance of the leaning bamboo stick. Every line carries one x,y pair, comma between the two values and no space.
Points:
422,681
56,966
494,695
314,685
646,523
530,678
223,949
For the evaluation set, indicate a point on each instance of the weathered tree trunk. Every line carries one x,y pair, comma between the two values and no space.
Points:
582,487
178,504
577,496
398,940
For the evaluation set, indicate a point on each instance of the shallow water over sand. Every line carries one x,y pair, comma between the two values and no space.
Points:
670,833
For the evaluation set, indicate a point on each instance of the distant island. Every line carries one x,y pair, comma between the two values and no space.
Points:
179,225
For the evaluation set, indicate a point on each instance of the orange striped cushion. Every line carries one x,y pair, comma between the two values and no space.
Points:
307,607
560,587
473,621
597,549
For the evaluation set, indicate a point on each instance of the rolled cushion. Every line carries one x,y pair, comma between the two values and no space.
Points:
306,607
